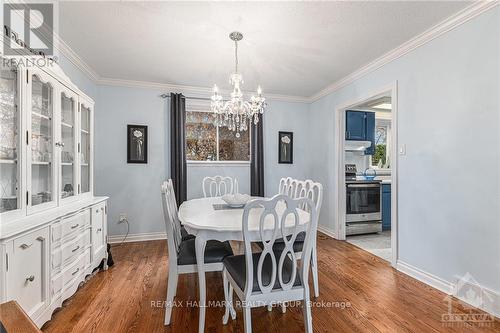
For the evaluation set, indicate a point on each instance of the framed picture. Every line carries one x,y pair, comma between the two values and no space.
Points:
285,147
137,144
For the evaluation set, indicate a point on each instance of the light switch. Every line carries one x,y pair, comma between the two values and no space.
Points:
402,149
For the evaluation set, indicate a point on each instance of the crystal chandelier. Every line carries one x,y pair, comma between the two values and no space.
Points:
236,113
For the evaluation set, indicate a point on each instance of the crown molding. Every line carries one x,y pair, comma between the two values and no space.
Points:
439,29
194,91
444,26
75,59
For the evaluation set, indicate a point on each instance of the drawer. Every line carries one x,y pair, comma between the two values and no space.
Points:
57,284
73,271
70,249
27,272
70,225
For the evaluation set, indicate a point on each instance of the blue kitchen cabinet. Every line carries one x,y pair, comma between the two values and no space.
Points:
370,132
355,125
360,126
386,206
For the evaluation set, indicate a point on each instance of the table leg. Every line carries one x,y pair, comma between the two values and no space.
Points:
200,243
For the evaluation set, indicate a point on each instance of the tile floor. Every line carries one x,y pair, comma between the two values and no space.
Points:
378,244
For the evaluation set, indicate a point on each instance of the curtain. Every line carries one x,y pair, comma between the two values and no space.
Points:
257,159
178,169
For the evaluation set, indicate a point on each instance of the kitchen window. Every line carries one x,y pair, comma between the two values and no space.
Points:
381,158
207,142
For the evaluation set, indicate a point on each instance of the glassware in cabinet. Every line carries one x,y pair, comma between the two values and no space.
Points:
85,147
10,122
68,144
42,136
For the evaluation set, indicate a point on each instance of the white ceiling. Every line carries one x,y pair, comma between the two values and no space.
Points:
290,48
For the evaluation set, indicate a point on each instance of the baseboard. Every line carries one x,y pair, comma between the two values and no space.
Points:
427,278
327,231
471,292
113,239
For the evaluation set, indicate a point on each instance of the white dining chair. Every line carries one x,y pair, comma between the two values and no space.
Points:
181,252
271,277
217,186
303,189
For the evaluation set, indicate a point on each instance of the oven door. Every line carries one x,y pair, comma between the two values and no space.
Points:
363,202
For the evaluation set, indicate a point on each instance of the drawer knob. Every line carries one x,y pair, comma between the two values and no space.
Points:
76,248
99,230
30,278
75,226
25,246
77,270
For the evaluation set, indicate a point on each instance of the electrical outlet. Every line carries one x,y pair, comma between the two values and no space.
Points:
123,218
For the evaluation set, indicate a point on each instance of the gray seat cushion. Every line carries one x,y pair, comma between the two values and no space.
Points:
185,235
236,267
279,244
215,251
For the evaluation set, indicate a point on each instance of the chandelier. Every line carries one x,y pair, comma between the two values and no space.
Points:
236,113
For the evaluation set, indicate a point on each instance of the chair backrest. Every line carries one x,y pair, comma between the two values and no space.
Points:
217,186
295,188
172,222
312,190
287,186
278,217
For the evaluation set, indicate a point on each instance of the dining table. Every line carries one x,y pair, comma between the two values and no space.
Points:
212,219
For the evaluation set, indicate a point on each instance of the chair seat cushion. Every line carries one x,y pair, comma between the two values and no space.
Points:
236,267
215,251
279,244
185,235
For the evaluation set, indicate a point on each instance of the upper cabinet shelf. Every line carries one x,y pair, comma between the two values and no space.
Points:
360,126
46,135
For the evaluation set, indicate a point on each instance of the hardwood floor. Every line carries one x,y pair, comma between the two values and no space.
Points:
128,298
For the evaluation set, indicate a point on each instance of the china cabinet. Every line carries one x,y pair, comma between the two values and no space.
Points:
53,230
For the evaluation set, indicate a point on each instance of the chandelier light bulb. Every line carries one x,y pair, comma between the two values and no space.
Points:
259,91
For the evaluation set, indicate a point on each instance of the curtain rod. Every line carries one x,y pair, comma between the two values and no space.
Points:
187,97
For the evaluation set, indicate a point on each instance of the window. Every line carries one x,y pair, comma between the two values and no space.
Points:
381,158
206,142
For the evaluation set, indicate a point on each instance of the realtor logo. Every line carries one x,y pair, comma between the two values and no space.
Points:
471,298
28,29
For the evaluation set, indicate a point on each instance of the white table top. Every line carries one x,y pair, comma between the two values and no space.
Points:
199,214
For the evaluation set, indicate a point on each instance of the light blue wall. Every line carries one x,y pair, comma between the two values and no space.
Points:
289,117
134,189
449,182
78,77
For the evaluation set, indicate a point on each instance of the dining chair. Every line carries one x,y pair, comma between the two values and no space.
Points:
303,189
182,252
271,277
217,186
184,234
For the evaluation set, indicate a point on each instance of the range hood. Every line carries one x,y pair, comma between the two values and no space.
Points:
357,145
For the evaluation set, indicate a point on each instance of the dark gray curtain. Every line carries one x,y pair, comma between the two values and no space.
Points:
257,160
178,171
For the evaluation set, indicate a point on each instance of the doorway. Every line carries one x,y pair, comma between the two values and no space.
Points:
366,152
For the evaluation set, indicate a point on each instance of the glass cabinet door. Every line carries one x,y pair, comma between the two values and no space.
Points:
85,148
41,162
10,133
67,144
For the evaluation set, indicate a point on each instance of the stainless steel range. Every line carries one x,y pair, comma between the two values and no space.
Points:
363,204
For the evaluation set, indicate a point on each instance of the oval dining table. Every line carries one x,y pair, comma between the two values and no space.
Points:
211,219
